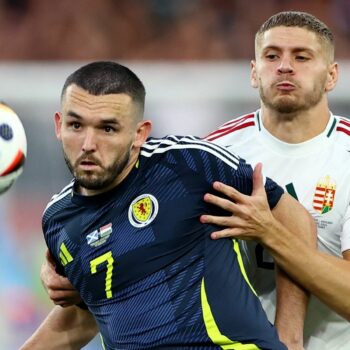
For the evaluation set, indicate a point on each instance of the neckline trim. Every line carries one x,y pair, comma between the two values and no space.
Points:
297,149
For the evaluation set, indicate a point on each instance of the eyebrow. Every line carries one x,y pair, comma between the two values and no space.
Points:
295,49
75,115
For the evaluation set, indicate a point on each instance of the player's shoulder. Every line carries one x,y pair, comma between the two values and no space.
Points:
187,145
57,200
342,130
235,128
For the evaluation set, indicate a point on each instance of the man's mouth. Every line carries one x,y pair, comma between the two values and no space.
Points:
285,86
88,165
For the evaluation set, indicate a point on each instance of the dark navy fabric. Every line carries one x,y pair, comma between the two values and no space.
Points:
158,268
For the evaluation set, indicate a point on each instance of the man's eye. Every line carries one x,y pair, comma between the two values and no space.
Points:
108,129
75,125
301,58
271,56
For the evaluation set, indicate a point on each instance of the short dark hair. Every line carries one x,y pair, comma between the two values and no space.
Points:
107,77
301,20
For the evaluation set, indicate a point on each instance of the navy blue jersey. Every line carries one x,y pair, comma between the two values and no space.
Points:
144,264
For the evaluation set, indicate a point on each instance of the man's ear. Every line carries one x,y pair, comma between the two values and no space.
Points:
253,77
58,125
143,131
332,76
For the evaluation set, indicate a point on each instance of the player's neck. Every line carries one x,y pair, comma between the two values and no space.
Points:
298,127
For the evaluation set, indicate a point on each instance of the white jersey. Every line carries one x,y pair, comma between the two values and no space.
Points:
317,173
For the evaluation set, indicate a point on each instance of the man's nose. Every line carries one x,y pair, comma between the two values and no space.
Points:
89,144
286,65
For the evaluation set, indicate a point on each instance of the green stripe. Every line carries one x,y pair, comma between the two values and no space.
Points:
258,119
213,330
241,265
64,261
65,255
291,190
102,342
332,127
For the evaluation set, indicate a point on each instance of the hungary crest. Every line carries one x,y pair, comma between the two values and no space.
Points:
324,195
143,210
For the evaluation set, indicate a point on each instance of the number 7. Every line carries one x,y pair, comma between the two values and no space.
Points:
107,257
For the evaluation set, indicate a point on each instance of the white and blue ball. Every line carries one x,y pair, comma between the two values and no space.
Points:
13,147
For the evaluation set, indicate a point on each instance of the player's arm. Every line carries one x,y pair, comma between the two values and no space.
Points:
290,296
325,276
59,289
256,216
68,328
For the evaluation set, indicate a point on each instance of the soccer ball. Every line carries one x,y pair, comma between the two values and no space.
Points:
13,147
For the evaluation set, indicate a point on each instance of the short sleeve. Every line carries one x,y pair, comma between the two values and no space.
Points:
274,192
345,234
245,174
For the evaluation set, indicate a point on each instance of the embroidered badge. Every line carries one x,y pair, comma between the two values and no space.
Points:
324,195
143,210
99,236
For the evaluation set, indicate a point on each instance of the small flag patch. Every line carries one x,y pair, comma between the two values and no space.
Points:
100,236
324,195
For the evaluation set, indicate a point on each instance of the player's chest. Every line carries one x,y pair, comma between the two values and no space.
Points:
135,225
127,242
321,182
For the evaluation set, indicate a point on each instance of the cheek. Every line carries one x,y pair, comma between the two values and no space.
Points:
264,76
70,144
264,81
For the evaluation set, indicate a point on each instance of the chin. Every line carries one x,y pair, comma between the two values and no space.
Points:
286,106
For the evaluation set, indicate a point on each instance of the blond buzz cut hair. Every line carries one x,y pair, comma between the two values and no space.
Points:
301,20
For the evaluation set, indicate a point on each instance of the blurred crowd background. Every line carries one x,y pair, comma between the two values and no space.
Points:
193,57
149,29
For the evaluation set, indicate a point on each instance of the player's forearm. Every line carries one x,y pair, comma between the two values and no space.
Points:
325,276
290,296
64,328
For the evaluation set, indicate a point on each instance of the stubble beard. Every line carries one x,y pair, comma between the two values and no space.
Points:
92,181
290,106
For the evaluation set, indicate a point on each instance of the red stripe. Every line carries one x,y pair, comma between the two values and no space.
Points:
346,131
229,131
320,202
238,120
345,122
229,125
19,159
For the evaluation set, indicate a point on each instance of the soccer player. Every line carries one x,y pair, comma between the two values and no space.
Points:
126,230
303,146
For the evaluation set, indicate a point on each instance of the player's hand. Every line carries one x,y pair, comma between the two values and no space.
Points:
59,289
251,215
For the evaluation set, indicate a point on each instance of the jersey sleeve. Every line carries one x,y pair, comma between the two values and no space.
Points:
220,164
273,190
50,241
345,234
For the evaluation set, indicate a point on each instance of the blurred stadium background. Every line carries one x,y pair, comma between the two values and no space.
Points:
193,57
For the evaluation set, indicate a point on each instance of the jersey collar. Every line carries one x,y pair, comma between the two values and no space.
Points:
295,149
